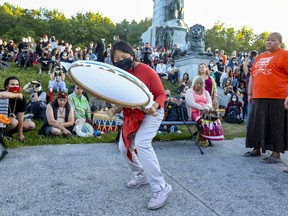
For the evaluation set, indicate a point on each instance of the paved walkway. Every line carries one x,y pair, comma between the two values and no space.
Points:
89,179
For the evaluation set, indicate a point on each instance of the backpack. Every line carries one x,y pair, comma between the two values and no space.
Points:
175,110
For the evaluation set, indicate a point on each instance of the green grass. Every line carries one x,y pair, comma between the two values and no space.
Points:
32,138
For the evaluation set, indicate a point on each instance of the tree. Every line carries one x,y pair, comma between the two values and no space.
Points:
229,39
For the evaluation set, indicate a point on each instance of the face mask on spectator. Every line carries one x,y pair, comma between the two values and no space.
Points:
15,89
234,99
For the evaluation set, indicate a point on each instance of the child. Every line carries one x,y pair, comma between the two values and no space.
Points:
241,91
228,89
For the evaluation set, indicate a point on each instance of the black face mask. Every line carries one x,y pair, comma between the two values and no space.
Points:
125,64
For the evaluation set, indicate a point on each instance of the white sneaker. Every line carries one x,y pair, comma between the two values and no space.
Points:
158,198
137,182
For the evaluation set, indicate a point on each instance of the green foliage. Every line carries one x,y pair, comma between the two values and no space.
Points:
229,39
78,30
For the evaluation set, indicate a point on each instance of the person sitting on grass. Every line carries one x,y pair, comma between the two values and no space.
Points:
16,109
173,72
37,103
80,106
168,114
57,80
59,118
233,110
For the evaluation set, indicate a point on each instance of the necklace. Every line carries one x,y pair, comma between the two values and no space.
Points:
13,107
61,112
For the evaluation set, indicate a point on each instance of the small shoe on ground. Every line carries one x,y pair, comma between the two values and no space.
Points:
251,154
137,182
270,160
158,198
285,170
204,143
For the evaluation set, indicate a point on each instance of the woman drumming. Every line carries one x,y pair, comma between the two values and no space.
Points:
140,127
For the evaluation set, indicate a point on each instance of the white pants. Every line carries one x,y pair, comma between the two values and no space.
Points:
145,162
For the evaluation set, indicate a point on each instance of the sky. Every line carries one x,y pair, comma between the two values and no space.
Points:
260,16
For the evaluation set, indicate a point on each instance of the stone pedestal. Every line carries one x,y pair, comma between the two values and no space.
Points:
179,35
189,64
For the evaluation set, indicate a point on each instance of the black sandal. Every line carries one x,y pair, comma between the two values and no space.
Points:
251,154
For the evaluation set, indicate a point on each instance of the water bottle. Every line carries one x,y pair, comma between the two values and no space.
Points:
172,128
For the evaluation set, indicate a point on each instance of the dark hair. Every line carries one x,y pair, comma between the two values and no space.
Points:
7,80
253,53
187,75
55,101
234,94
122,46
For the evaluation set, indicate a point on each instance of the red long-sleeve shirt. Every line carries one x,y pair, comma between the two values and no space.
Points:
151,79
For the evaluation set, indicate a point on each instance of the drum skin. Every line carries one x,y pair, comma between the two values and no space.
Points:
110,83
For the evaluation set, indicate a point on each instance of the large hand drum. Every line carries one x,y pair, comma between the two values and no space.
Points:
110,83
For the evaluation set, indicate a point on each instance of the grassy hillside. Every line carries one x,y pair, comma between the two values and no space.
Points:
32,138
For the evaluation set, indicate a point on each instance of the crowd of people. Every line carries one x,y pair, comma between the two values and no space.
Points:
261,80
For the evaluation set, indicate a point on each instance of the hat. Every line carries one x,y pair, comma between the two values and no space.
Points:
45,35
62,95
168,93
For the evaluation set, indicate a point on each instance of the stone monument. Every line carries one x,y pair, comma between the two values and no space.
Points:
168,28
168,25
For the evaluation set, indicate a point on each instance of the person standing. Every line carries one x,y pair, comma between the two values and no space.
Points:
146,54
100,49
267,127
141,126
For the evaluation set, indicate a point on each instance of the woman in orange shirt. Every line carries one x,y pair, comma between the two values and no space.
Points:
267,127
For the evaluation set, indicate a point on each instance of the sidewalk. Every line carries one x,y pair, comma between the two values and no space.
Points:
90,179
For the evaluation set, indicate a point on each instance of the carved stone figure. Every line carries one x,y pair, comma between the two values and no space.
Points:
177,10
159,37
164,37
196,39
168,38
